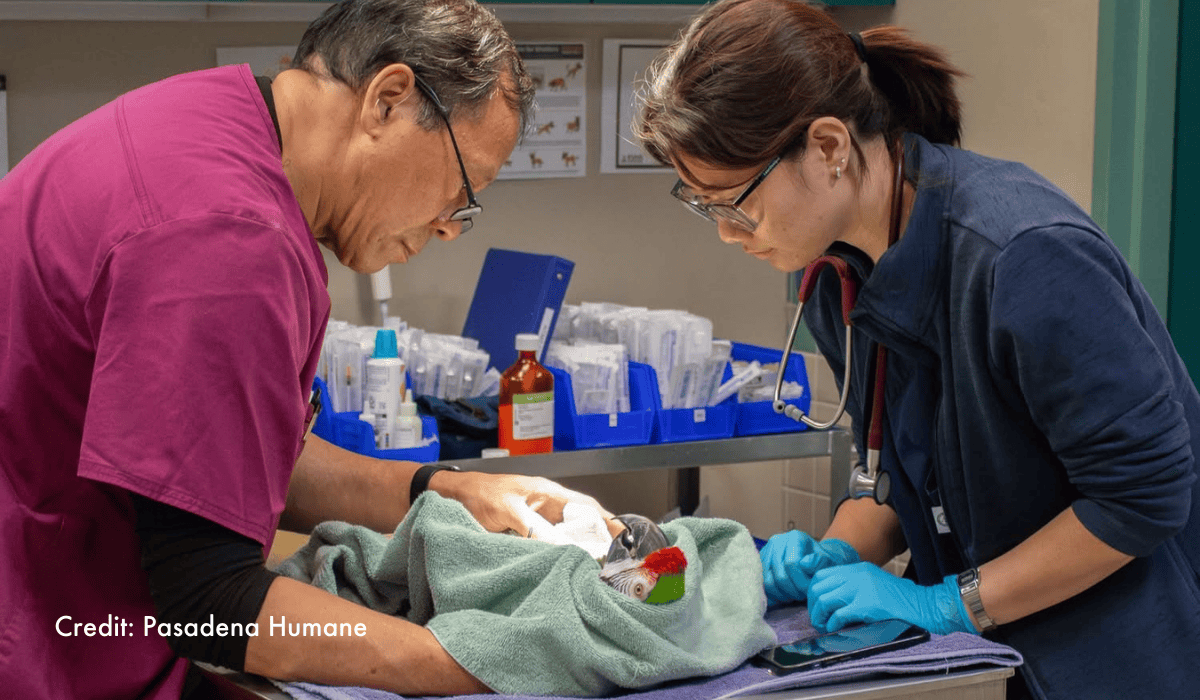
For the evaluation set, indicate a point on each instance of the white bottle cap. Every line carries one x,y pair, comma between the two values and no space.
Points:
528,342
493,452
408,407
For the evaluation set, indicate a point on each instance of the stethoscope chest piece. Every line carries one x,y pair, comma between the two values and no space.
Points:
862,484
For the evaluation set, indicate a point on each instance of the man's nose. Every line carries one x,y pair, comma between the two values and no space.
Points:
449,230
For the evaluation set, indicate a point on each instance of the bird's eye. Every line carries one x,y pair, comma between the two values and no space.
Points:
627,539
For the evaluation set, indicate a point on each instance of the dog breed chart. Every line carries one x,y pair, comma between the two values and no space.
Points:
555,145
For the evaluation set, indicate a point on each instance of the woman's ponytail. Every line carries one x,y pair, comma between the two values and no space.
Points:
917,81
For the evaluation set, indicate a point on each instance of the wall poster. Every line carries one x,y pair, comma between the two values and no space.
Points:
556,143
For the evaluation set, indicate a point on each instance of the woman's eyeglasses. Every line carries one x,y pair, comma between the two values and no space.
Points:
729,212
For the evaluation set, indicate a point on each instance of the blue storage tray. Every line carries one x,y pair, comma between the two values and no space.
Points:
348,432
759,417
686,424
580,432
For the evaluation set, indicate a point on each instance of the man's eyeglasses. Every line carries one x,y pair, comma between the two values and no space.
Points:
730,212
463,214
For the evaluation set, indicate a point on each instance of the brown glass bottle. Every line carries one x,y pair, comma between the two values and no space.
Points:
527,402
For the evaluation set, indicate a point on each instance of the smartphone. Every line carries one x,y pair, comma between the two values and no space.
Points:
848,643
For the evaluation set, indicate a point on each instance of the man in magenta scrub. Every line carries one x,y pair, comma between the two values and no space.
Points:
162,306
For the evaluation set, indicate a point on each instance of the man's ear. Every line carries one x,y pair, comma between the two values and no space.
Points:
388,96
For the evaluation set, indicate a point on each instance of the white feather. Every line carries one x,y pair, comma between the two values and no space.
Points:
629,578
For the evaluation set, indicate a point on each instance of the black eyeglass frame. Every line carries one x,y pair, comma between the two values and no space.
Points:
473,208
727,211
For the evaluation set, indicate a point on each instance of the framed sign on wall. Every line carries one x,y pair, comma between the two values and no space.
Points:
625,64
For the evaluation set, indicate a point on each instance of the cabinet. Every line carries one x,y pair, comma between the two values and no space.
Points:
533,11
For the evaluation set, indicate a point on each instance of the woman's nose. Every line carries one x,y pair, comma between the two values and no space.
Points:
730,233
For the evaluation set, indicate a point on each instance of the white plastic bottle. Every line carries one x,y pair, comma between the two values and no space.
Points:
408,426
376,428
385,387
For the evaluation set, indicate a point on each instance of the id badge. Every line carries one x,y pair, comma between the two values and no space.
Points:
940,521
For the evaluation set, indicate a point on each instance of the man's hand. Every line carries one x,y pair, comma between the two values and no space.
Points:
522,504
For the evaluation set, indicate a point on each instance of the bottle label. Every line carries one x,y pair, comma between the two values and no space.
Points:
408,433
384,381
533,416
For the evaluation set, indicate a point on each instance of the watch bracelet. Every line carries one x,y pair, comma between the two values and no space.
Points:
968,590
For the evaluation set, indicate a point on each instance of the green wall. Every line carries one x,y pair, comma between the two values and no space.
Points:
1183,305
1135,134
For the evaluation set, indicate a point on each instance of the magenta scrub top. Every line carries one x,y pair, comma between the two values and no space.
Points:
162,305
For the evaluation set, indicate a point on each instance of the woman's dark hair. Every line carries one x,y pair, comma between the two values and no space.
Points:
747,77
457,46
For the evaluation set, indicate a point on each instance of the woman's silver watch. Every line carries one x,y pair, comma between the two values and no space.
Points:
968,588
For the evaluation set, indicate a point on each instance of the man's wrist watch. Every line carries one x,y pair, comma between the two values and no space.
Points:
421,477
968,588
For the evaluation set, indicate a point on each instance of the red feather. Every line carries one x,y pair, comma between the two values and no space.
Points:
665,561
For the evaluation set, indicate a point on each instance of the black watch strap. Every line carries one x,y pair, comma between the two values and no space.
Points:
421,477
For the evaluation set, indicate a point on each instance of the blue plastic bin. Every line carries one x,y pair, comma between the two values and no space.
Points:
580,432
759,417
348,432
686,424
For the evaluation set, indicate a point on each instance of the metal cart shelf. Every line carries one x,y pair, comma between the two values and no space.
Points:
685,456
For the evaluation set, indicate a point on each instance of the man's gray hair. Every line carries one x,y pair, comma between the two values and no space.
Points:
458,47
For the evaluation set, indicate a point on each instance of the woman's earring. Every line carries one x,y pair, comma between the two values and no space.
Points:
838,171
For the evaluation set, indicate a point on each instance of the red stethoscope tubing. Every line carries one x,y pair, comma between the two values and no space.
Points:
849,293
871,481
849,297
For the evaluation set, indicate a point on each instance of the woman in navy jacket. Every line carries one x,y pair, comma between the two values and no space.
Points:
1040,428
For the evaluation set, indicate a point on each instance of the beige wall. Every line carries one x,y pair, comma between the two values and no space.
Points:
1030,90
1030,97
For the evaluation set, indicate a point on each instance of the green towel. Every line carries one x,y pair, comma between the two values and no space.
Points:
527,617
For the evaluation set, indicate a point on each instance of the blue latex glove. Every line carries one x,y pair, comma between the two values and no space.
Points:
790,559
863,592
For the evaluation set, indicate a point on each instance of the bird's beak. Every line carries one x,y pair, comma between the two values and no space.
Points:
640,538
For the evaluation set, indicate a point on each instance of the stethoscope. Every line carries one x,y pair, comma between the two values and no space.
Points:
869,480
